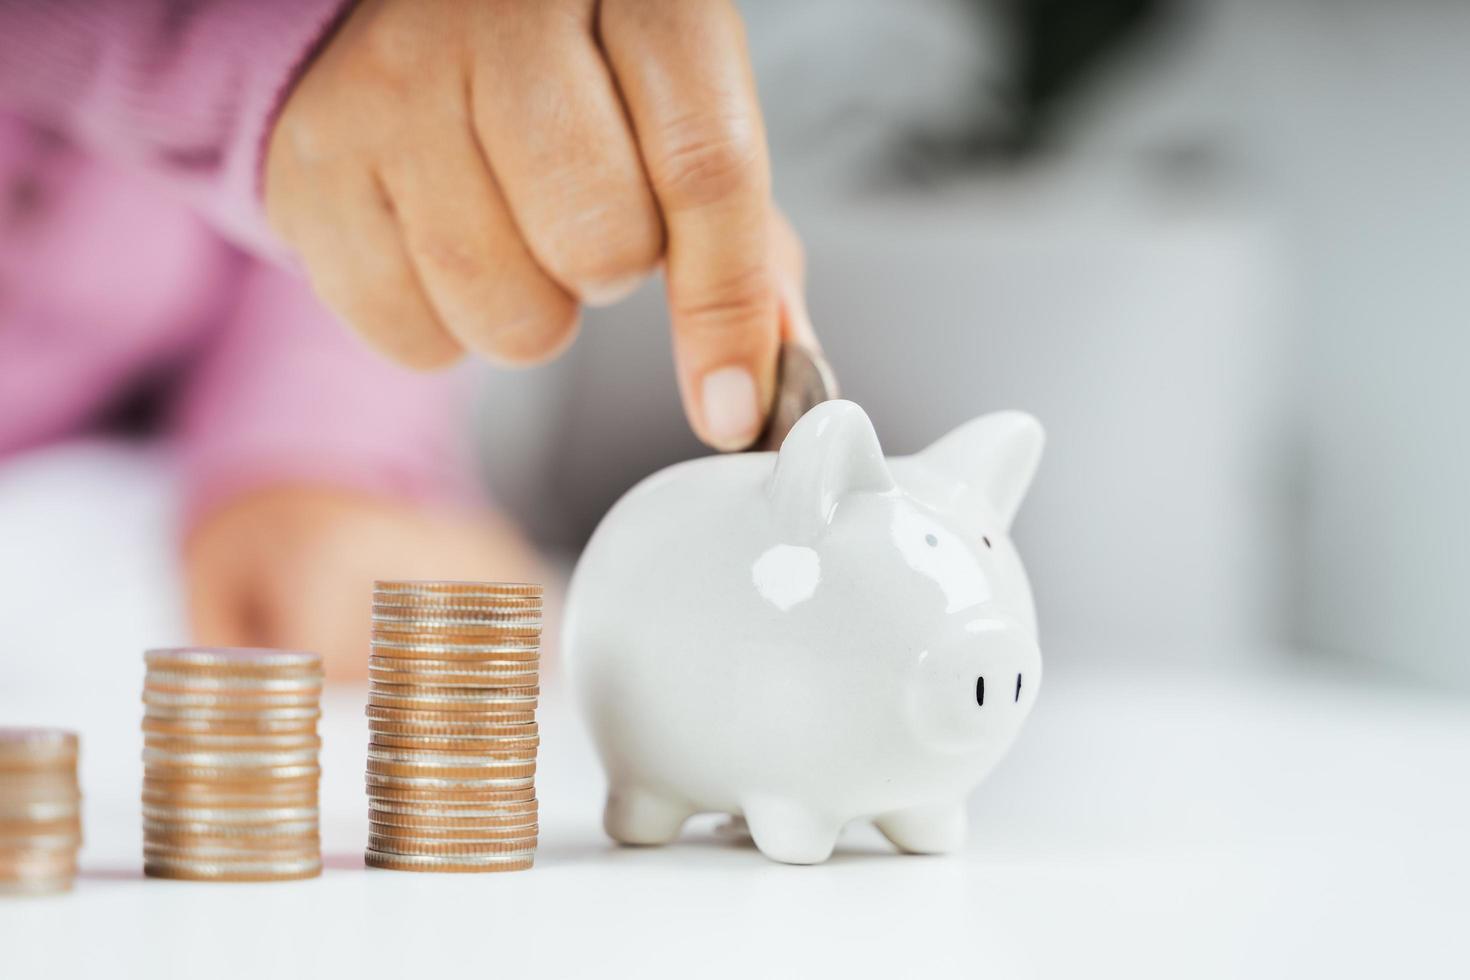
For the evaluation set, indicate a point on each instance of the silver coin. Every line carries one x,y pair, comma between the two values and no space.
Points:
50,786
410,685
232,657
472,612
47,741
448,624
41,885
205,828
408,827
37,843
172,713
443,860
451,587
457,743
249,702
226,741
429,760
405,844
449,785
14,809
208,868
446,811
396,680
157,771
208,760
470,728
235,682
449,694
478,612
512,669
400,849
468,649
223,815
804,380
394,847
291,849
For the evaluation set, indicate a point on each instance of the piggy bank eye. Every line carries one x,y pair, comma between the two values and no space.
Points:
1018,687
987,541
980,691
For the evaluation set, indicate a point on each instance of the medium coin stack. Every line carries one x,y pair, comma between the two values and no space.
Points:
230,767
40,810
452,714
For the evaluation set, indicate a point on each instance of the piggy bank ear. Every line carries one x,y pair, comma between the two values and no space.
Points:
994,457
830,452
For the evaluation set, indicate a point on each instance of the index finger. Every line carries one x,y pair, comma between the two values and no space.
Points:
685,78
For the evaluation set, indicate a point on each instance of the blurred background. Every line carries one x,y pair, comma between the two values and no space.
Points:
1216,247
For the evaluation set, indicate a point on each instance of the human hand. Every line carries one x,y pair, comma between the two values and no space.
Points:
462,174
293,568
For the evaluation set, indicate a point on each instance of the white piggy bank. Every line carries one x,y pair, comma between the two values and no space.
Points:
810,637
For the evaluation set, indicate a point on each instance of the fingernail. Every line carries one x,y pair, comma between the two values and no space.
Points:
732,416
608,293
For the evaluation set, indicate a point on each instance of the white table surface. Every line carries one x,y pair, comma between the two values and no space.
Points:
1265,824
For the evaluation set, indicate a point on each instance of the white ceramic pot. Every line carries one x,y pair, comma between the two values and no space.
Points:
810,637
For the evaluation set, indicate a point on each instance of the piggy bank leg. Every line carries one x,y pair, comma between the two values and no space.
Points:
935,828
638,816
791,833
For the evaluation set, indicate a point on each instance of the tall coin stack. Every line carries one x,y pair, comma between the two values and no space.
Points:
452,714
40,810
230,766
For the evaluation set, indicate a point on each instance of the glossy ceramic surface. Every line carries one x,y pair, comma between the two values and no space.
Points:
812,636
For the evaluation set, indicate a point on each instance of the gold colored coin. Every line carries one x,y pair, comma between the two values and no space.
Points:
490,717
202,870
432,588
449,865
425,845
501,747
452,797
483,831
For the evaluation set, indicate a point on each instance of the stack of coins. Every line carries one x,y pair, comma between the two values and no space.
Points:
230,764
452,714
40,810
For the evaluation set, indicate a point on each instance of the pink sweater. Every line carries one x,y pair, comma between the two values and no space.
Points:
131,245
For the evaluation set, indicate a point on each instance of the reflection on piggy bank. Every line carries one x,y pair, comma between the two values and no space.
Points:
812,636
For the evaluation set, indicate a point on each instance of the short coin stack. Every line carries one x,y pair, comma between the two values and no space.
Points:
452,712
40,810
230,766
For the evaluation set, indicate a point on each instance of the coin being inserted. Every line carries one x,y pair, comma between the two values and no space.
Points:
804,380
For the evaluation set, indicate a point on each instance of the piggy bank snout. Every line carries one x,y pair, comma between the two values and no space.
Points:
976,685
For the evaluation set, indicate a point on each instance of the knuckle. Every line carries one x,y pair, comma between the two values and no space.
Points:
700,161
402,331
731,306
389,55
446,258
533,337
616,251
408,340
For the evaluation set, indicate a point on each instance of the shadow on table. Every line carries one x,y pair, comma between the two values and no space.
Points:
344,861
722,844
111,874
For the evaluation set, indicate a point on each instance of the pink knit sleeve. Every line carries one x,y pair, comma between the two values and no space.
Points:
285,395
182,92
